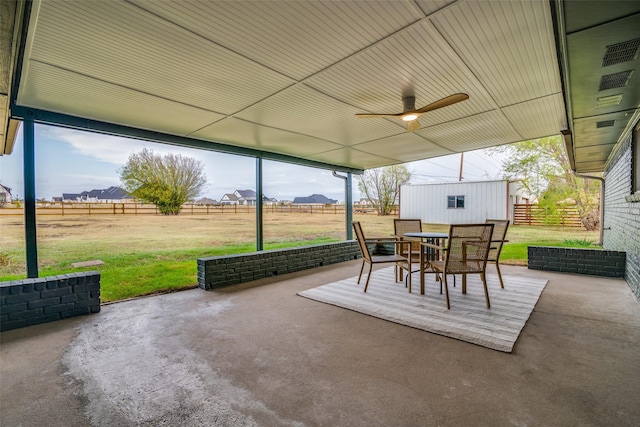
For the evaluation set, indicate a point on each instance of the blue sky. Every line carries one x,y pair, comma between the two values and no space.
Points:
70,161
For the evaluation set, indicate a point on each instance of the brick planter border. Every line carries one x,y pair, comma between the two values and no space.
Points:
577,260
221,271
32,301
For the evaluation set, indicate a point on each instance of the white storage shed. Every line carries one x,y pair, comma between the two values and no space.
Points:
461,202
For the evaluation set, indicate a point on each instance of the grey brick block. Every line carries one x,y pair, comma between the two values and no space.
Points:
58,308
24,297
44,302
12,308
48,293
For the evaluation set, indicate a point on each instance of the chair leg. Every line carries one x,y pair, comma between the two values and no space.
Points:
446,289
499,275
409,276
486,291
366,285
361,269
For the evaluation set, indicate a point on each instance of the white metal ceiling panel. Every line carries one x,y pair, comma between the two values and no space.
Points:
432,6
587,167
309,112
57,90
416,59
296,38
600,129
585,81
118,43
3,117
598,153
472,133
402,148
539,117
508,45
241,133
584,14
351,157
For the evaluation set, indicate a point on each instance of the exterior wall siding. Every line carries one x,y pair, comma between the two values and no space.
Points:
483,200
621,217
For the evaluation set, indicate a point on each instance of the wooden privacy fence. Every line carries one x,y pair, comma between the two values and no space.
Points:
534,214
63,209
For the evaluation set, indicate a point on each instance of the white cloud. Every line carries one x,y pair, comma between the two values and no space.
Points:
106,148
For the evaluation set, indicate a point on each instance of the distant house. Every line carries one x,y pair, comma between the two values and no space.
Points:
108,195
5,194
229,199
244,197
363,202
314,199
206,201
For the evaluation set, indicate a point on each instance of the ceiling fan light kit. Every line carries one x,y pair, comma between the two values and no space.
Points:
410,114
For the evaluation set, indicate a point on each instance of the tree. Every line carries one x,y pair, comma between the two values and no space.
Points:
544,170
167,181
381,186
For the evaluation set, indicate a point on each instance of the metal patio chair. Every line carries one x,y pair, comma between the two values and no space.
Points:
401,226
500,227
404,262
465,253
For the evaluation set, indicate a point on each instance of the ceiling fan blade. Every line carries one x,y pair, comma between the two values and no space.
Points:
369,116
413,125
444,102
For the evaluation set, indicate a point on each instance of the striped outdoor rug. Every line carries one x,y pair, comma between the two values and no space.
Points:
468,320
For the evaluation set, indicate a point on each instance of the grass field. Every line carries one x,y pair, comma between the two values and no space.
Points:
148,254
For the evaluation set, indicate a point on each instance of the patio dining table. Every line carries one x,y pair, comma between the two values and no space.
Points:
428,254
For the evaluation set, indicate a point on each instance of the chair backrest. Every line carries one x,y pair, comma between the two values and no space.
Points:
500,227
357,227
401,226
471,241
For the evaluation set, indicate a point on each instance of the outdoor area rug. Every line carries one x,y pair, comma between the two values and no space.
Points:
468,320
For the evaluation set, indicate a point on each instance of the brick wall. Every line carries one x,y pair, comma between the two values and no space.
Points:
621,216
32,301
577,260
220,271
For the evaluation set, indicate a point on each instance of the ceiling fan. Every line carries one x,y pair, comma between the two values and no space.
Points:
410,114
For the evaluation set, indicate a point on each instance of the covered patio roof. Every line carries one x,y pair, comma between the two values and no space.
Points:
284,79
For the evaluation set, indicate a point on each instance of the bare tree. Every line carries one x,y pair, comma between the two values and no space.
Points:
382,185
167,181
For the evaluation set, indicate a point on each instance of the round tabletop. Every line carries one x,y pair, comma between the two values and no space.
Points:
427,235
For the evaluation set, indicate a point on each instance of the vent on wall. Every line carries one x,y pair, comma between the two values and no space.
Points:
605,124
621,52
609,101
612,81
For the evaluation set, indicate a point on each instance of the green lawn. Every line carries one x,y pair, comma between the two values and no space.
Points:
128,275
144,255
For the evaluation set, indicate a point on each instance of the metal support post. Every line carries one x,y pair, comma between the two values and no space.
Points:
29,156
259,196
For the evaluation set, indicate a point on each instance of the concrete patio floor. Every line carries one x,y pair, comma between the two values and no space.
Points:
257,354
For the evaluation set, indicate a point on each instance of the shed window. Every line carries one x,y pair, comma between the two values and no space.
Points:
455,202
